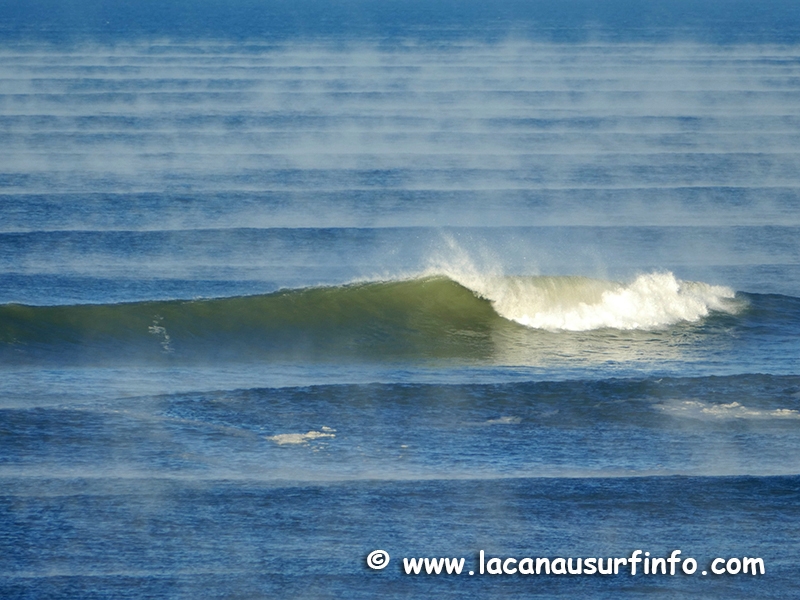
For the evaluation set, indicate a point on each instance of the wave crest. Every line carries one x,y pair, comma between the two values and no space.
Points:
651,301
489,318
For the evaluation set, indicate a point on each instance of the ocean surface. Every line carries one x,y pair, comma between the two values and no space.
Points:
284,284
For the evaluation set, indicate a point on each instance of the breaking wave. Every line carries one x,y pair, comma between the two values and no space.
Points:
429,316
651,301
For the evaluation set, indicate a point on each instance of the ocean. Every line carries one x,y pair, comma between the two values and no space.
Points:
283,285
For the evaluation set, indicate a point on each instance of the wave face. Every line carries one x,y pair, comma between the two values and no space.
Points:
312,321
523,320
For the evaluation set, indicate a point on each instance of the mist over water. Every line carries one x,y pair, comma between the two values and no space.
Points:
240,169
281,285
553,134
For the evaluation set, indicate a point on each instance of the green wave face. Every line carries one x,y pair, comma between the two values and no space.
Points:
509,320
427,317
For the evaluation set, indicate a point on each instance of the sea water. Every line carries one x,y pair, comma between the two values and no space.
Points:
283,285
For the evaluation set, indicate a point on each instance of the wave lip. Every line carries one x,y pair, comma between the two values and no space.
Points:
651,301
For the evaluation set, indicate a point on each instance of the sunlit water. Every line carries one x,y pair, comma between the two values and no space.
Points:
282,288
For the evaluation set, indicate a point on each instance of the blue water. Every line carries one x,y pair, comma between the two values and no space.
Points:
283,284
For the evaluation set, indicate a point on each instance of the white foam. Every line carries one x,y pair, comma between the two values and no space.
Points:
651,301
504,421
302,438
161,332
733,410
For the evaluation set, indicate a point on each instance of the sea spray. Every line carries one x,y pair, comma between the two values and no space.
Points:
651,301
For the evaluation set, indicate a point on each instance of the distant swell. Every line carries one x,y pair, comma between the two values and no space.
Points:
427,317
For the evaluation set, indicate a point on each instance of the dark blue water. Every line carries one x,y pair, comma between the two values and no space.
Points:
443,21
285,283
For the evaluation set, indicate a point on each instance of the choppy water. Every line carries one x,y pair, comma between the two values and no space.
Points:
282,286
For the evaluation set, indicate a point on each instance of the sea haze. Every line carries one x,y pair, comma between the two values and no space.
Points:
281,285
